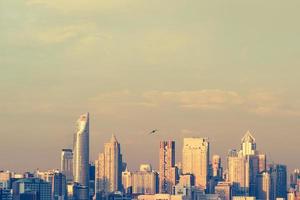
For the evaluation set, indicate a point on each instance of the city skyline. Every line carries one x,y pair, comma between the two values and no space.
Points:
247,146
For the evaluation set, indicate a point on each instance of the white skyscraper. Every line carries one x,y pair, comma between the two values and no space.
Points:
67,164
195,160
81,151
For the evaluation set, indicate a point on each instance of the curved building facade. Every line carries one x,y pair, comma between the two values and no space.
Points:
81,151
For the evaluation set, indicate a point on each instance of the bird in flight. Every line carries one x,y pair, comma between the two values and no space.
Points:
153,131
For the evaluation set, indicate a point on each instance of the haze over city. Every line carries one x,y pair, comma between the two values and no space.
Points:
187,68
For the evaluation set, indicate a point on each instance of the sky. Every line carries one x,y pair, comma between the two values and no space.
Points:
187,68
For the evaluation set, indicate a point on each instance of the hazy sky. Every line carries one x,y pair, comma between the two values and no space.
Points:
188,68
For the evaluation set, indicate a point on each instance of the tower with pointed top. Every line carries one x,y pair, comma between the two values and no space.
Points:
81,151
248,144
109,168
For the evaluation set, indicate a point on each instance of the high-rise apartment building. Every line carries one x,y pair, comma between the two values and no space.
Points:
195,160
67,164
167,169
109,168
81,151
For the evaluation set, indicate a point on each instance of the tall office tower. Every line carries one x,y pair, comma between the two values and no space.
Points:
81,151
278,175
109,168
223,189
248,144
59,186
237,172
167,169
145,181
262,163
127,181
31,188
295,178
195,160
217,169
263,186
67,164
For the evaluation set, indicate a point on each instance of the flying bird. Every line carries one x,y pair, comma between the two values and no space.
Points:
153,131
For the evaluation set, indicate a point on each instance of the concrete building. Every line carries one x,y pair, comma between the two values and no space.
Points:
195,160
109,168
224,190
167,170
145,181
217,170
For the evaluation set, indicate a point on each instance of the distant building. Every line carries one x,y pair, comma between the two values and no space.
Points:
243,167
243,198
145,181
127,181
224,190
31,188
59,186
278,174
6,194
92,171
109,168
67,164
263,186
195,160
167,169
81,152
217,169
80,192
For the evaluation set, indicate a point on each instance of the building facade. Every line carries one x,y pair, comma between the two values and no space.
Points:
81,151
195,160
167,169
109,168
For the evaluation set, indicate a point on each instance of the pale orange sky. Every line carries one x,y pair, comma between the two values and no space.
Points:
188,68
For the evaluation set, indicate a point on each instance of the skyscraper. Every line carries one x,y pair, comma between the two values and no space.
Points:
145,181
217,170
195,160
167,170
81,151
59,186
67,164
109,168
263,186
248,144
278,175
243,167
